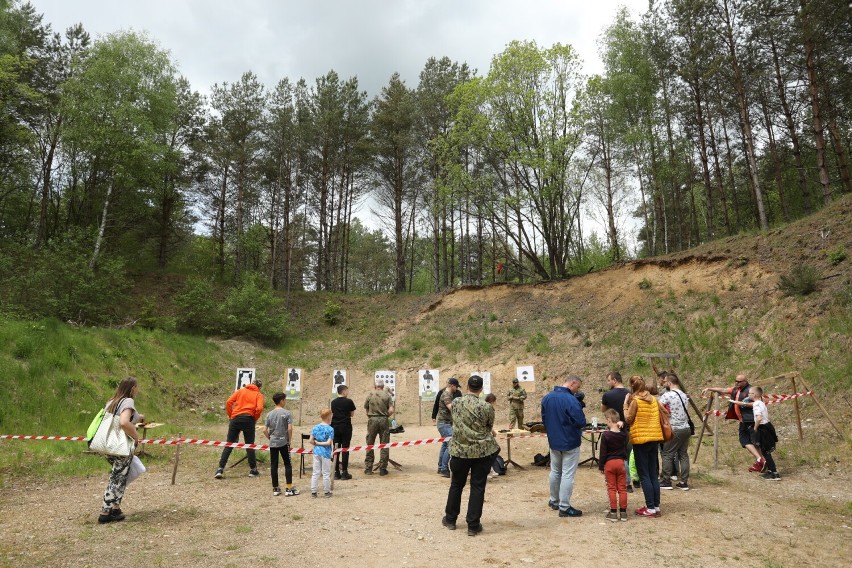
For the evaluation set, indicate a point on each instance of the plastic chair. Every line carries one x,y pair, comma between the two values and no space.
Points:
302,455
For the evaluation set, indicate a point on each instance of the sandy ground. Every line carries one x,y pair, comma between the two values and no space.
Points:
395,520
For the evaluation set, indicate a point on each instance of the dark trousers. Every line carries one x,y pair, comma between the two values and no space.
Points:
243,423
460,468
647,458
342,439
284,452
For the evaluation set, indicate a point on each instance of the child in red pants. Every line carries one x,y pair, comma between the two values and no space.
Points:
613,447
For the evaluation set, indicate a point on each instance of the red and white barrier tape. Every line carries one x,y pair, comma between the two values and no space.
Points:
777,398
259,447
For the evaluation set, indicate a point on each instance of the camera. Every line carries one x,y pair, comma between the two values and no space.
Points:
581,398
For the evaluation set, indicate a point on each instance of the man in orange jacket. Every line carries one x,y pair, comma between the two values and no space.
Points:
244,408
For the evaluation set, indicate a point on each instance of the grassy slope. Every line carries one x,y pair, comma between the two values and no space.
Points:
716,305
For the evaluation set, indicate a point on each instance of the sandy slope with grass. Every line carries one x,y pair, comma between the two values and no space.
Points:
729,517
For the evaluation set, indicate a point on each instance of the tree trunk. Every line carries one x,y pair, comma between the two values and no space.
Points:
100,239
776,160
816,108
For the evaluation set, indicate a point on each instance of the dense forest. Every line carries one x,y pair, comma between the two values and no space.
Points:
712,117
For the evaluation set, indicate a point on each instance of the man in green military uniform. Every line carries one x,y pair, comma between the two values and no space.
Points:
516,397
472,450
379,407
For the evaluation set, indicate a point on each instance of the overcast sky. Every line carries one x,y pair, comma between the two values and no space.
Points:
214,41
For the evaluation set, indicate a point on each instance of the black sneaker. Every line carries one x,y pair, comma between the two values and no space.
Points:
345,475
683,486
553,505
445,473
220,473
630,488
383,471
473,531
666,485
570,512
448,524
276,491
254,473
771,476
337,475
637,484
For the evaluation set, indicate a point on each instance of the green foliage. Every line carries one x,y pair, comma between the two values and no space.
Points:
800,282
836,255
538,344
57,282
331,313
249,309
645,284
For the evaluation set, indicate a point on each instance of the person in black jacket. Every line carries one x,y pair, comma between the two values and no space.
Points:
442,418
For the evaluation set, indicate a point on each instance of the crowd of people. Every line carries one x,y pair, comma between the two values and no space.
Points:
640,429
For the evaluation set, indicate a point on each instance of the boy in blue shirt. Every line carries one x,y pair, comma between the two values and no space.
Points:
322,437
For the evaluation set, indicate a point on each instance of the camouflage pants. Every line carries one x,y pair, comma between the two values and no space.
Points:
377,427
117,481
516,414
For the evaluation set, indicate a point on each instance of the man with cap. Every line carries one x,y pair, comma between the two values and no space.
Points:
379,407
244,408
444,422
516,398
472,450
564,421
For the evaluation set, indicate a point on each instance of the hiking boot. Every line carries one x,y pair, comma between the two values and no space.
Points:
254,473
667,485
290,492
553,505
368,471
220,473
771,476
383,471
448,524
112,516
345,475
276,492
327,494
644,512
636,484
612,516
570,512
314,494
445,473
337,475
630,488
475,530
622,515
683,486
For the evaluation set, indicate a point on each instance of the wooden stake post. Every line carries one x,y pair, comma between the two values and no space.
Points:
669,357
177,459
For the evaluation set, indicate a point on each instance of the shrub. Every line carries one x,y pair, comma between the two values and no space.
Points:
250,309
645,284
538,344
331,313
836,255
197,309
800,282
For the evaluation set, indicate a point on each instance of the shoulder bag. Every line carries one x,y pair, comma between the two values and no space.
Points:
688,419
110,439
665,425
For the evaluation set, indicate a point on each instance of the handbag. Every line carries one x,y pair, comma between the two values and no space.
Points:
109,438
688,419
665,425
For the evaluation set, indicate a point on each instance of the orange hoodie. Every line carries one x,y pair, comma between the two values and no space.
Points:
246,400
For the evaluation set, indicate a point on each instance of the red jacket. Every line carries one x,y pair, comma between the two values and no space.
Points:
246,400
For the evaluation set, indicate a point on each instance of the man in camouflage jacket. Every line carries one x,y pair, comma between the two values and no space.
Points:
516,398
472,450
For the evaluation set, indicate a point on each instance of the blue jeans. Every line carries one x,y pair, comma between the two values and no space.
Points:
445,430
563,466
648,467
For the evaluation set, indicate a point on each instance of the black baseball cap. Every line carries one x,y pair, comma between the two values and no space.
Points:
475,382
453,381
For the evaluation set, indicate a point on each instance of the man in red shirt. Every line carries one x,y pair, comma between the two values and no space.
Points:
244,408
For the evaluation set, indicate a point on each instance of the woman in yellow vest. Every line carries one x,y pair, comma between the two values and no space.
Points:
642,412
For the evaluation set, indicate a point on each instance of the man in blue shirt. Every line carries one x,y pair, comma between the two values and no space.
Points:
563,420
